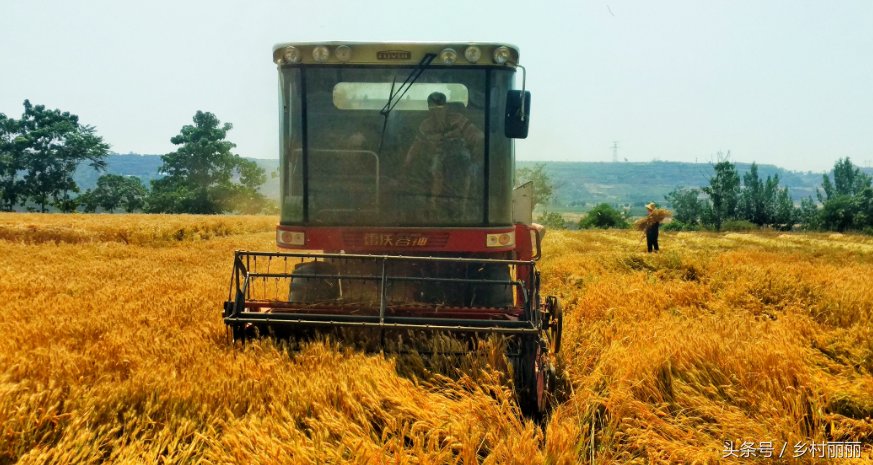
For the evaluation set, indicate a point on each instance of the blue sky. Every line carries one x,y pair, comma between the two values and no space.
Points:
779,82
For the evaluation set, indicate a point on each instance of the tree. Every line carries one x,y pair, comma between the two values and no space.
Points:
753,197
808,214
603,216
784,212
849,181
47,148
11,164
199,177
762,201
687,206
847,202
114,191
724,193
838,213
543,188
552,220
247,198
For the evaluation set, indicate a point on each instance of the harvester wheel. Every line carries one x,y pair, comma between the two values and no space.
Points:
555,322
533,379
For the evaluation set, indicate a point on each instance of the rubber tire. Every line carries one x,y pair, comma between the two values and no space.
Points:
532,403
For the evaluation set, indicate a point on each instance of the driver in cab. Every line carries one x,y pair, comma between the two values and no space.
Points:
441,160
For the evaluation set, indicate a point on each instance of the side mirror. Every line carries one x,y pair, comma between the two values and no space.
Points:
517,114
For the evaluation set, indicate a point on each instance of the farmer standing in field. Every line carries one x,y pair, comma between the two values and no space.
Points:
653,224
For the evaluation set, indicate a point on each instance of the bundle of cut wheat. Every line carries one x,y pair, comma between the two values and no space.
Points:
657,215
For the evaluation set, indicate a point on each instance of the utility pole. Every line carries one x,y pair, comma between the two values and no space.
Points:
615,151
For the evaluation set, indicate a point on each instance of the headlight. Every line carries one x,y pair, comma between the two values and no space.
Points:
500,240
343,53
320,54
501,55
291,55
472,54
291,237
448,56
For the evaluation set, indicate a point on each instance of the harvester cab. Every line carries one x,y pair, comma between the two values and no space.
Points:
397,206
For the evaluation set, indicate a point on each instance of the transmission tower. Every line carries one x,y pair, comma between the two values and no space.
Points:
615,151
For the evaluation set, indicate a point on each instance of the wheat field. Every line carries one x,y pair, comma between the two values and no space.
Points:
112,350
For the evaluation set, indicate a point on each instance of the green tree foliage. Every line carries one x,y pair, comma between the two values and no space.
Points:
552,220
759,201
39,154
808,214
11,164
247,198
754,205
603,216
113,192
724,194
687,206
847,201
543,188
785,214
763,202
739,225
838,213
849,181
204,176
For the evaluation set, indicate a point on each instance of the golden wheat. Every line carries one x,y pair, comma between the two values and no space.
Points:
138,229
657,215
112,349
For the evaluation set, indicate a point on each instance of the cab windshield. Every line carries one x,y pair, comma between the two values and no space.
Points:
346,161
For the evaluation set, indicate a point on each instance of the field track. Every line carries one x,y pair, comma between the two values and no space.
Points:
112,349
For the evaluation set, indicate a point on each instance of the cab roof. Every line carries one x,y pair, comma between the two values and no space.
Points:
395,53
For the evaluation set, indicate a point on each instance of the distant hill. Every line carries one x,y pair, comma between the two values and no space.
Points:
580,185
145,167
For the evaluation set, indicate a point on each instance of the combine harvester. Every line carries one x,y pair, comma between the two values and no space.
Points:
397,166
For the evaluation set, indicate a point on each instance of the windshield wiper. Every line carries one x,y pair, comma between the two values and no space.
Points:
395,97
